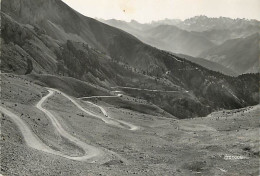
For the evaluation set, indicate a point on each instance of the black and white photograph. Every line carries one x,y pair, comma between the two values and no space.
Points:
130,88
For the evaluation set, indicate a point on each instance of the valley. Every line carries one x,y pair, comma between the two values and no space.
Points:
159,145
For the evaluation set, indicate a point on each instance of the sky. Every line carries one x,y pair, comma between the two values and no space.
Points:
146,11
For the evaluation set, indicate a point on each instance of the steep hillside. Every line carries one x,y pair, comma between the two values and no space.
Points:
240,55
48,37
49,16
22,42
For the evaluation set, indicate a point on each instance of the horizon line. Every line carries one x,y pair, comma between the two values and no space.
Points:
247,19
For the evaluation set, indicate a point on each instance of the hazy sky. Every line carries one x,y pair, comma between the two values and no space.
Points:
148,10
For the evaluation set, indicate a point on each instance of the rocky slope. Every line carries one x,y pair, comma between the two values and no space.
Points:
162,146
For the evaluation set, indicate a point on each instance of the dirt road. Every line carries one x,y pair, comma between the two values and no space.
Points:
105,118
91,153
131,126
149,90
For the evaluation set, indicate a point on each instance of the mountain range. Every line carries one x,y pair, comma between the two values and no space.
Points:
164,36
199,36
47,37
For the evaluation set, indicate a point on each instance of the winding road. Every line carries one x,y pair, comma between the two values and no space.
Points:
131,126
91,153
105,118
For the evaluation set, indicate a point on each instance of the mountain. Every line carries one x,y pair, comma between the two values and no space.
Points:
47,37
173,39
219,30
166,21
198,37
241,55
166,37
216,30
204,23
132,26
